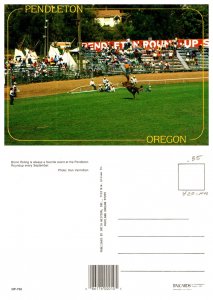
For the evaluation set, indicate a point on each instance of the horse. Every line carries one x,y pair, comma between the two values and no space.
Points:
132,88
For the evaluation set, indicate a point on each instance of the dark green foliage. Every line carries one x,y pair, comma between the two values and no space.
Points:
140,22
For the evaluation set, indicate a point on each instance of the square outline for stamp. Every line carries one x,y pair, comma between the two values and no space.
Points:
180,188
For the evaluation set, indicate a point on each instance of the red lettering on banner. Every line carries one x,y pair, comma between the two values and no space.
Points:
152,44
206,43
103,45
98,46
194,43
135,44
91,45
117,45
187,43
145,44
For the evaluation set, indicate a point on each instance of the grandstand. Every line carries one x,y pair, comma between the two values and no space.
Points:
110,61
195,59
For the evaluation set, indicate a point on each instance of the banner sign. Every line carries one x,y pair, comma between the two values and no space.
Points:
147,44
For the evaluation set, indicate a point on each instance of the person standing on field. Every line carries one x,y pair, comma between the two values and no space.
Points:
92,83
11,96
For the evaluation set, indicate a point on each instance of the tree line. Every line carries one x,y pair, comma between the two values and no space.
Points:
139,22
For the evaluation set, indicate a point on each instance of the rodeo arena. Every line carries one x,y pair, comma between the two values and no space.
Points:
98,62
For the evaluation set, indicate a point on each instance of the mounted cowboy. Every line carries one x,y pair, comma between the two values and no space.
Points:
131,87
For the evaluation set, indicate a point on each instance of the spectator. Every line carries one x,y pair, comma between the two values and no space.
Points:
200,48
154,55
105,80
163,55
46,60
52,61
159,54
100,88
187,60
164,46
167,66
153,67
161,66
187,53
11,96
77,75
112,88
171,54
107,87
56,59
30,60
92,83
13,78
14,88
149,88
127,44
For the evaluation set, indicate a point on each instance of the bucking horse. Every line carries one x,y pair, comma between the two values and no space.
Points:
132,88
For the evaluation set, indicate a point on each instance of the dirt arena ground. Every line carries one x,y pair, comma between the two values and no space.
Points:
59,87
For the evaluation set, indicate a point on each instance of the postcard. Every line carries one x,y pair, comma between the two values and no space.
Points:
106,161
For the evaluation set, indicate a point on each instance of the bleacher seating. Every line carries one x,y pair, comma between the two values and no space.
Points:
100,63
96,62
195,58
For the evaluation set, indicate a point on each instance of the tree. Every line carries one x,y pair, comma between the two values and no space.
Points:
139,22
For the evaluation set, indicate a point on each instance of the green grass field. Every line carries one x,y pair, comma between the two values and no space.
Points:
110,118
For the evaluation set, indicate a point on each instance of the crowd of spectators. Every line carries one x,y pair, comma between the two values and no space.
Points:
192,57
147,59
110,60
32,70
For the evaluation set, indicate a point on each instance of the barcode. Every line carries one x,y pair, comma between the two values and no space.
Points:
103,276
